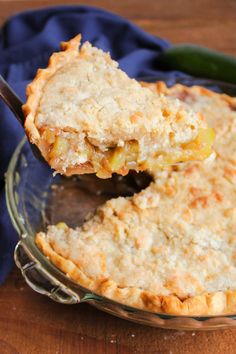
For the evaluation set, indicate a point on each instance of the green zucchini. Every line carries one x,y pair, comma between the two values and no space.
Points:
199,62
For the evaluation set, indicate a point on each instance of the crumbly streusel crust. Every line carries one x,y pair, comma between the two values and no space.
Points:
92,106
172,247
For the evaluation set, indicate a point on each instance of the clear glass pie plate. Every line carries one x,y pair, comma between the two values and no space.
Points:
35,199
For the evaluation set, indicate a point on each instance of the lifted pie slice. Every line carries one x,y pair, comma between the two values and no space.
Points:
87,116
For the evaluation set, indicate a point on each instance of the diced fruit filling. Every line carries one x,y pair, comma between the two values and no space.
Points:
60,149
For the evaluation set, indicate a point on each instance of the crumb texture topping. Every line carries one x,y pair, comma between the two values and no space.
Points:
171,247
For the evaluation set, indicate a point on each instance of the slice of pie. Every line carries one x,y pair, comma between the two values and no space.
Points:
172,247
87,116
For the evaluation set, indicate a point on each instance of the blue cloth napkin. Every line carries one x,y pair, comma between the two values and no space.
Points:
26,42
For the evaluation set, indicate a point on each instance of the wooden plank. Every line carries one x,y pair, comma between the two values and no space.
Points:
205,22
33,324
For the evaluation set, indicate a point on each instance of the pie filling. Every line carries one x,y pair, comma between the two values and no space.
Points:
69,153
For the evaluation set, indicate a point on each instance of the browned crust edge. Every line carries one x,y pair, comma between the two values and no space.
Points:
161,88
216,303
69,50
35,88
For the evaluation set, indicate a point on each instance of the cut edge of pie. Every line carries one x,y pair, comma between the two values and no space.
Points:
72,151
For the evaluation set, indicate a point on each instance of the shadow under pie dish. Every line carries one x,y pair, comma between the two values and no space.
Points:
155,308
87,116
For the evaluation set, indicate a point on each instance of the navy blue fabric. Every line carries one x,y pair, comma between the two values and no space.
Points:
26,42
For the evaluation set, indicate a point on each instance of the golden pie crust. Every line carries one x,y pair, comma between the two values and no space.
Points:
172,247
86,115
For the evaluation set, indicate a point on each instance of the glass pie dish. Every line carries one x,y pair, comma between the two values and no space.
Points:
35,199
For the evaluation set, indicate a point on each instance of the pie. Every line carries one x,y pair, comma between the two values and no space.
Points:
87,116
170,248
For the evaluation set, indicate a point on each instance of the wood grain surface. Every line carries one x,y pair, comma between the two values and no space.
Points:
33,324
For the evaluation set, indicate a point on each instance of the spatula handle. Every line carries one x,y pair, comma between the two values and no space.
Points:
12,100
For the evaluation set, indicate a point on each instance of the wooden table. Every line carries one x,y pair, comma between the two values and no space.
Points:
33,324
